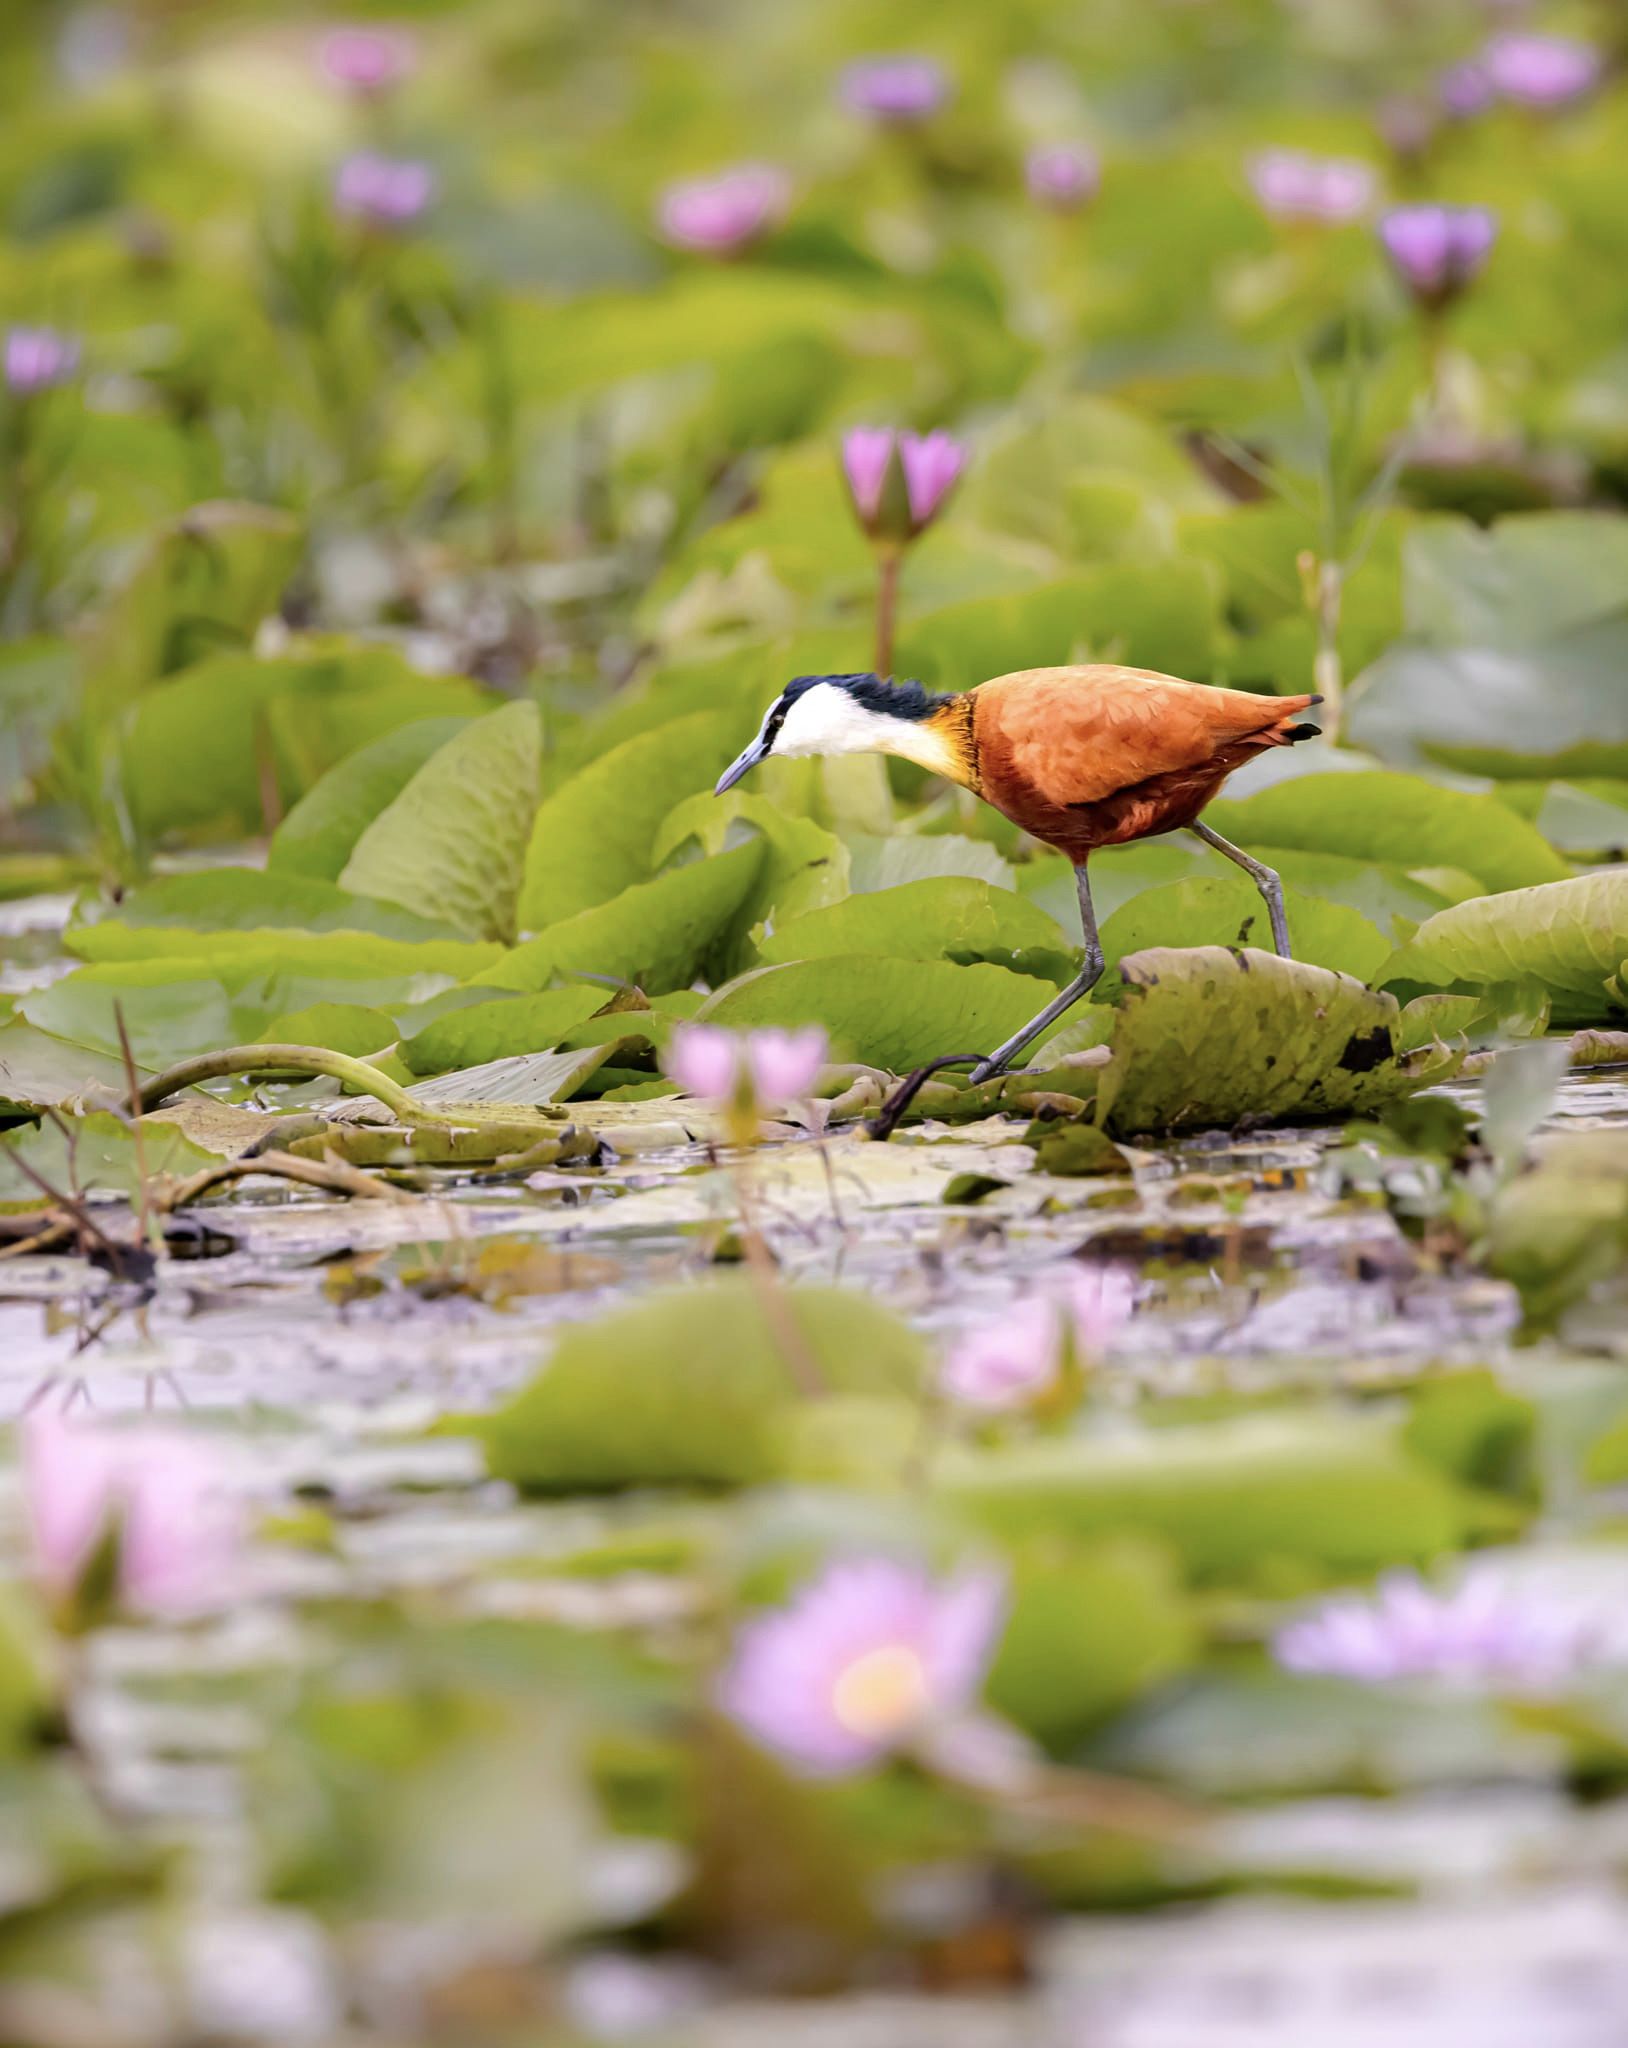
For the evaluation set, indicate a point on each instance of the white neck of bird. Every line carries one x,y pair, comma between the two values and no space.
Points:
826,720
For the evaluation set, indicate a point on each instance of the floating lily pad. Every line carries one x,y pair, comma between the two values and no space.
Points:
1568,939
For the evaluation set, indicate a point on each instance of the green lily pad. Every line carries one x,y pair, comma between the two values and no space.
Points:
951,918
499,1029
1402,819
320,833
1322,1495
691,1387
1569,939
184,913
98,1153
1228,909
1204,1036
656,934
451,845
594,836
895,1014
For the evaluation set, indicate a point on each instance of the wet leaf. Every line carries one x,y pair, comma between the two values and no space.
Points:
97,1155
1205,1036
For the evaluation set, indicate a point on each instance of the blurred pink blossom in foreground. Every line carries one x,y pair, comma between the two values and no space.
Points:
1484,1631
1438,250
866,1659
1014,1359
368,61
895,89
1291,185
1540,71
38,358
383,191
928,467
1062,175
159,1494
777,1066
721,215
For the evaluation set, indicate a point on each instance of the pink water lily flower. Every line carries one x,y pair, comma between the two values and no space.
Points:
772,1067
383,191
864,1661
162,1496
1540,71
895,90
37,358
1437,251
1014,1360
720,216
932,463
1291,185
1099,1300
1008,1362
1062,175
866,453
1481,1632
368,62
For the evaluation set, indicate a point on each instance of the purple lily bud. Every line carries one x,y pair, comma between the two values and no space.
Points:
368,62
37,358
1540,71
722,215
1293,186
931,462
1062,175
383,191
1465,89
1438,250
895,90
866,454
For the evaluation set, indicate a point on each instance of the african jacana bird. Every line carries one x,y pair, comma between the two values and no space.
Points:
1078,757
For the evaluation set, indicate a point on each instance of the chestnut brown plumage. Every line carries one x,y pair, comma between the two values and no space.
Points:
1079,757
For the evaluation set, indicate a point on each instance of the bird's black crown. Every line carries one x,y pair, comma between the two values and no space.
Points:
912,700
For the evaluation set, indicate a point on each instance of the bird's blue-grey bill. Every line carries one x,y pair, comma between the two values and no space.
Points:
738,767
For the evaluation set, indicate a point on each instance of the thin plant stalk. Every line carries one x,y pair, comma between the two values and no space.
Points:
889,560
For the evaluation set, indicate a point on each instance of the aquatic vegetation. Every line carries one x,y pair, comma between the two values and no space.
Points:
558,1466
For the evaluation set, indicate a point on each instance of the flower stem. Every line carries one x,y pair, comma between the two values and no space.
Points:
1328,674
888,560
298,1059
793,1346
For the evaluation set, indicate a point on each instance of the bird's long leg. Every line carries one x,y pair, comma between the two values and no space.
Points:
1082,984
1264,878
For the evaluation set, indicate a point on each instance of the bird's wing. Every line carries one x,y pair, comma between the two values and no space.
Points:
1079,735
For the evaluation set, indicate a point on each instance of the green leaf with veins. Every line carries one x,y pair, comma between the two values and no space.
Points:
452,844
